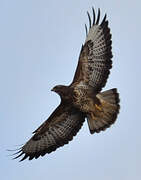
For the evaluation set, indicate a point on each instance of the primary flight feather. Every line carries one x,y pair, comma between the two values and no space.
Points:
83,98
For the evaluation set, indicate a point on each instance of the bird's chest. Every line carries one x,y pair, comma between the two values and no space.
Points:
82,99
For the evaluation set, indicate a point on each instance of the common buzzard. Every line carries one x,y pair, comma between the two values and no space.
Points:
83,98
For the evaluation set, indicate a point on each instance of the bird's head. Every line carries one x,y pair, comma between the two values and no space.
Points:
63,91
59,89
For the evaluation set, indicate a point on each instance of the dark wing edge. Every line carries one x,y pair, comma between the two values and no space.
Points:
95,56
58,130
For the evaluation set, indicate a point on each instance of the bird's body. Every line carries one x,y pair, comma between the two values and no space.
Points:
83,98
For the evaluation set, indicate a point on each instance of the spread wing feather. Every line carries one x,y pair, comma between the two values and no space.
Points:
95,57
59,129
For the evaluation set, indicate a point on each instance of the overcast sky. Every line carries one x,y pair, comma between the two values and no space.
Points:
40,43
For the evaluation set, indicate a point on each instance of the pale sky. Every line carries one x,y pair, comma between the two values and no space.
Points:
40,43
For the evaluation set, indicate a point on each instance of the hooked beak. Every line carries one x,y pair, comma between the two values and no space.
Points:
53,89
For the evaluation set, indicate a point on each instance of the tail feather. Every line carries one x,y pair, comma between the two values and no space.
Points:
109,103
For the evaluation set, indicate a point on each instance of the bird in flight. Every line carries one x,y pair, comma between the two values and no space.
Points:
82,99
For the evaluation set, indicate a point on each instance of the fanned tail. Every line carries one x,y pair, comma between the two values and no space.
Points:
106,113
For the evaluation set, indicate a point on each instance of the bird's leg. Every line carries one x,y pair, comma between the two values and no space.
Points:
99,108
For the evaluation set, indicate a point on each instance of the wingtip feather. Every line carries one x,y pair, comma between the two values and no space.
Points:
98,17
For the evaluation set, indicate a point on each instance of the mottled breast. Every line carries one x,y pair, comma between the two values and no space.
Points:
83,98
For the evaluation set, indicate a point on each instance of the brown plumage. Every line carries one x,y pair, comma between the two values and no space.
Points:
82,98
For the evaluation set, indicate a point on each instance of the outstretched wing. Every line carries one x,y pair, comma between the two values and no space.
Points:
59,129
95,56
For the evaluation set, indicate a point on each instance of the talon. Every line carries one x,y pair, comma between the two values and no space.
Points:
98,107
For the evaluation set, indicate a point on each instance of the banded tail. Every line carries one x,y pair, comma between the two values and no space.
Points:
109,110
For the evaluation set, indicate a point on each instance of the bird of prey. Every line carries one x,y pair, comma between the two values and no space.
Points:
83,98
